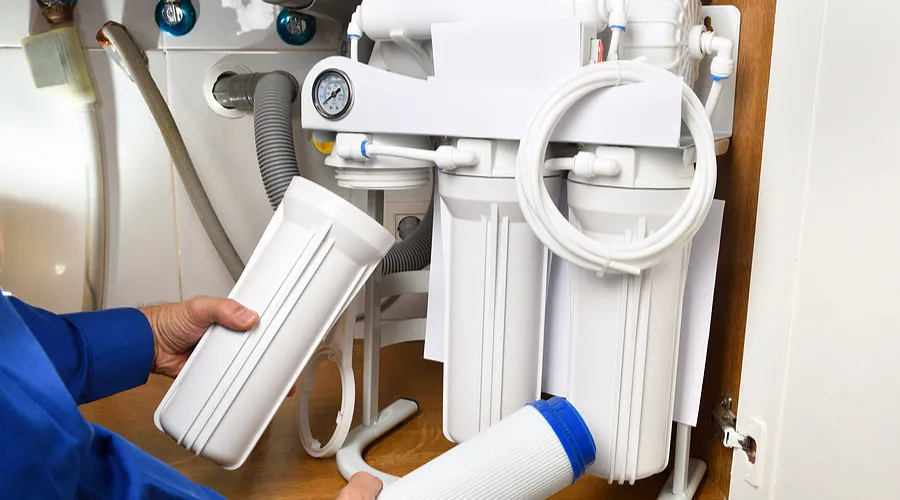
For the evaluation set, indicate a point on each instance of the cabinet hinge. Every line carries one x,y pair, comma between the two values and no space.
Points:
726,421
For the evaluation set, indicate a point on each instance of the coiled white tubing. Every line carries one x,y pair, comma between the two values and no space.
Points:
556,232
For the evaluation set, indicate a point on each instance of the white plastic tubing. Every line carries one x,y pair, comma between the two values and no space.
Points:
542,213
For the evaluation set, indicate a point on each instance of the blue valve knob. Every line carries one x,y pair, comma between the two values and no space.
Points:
175,17
295,28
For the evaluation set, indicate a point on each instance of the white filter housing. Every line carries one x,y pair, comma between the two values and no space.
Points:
626,329
313,258
496,291
659,30
530,455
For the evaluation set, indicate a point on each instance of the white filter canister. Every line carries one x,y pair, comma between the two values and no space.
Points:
530,455
314,257
625,335
496,290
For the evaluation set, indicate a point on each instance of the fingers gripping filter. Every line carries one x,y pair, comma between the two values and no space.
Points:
530,455
315,255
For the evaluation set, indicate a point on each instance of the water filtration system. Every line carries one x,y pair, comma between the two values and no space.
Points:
587,146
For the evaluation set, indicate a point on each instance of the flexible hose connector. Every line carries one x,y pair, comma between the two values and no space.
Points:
130,57
275,134
413,253
96,202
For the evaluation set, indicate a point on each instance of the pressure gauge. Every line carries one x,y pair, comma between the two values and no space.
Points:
332,94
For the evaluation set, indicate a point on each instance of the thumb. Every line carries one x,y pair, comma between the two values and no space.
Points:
366,484
226,312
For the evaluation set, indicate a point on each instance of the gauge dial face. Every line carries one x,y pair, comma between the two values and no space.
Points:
332,94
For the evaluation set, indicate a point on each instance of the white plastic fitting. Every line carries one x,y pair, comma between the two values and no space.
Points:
530,455
618,23
695,41
586,164
354,33
617,14
446,157
449,157
703,42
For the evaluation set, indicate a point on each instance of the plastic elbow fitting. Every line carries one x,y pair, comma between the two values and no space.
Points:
449,158
723,64
590,165
703,42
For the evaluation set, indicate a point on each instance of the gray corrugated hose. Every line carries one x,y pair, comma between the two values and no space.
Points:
273,129
413,253
274,134
131,59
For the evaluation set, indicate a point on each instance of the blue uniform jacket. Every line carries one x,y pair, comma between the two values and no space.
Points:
50,364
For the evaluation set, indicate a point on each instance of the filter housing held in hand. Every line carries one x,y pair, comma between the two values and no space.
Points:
315,255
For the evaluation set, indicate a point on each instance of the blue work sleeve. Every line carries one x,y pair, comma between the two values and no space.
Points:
96,354
47,449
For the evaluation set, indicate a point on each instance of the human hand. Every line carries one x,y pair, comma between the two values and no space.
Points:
177,328
362,486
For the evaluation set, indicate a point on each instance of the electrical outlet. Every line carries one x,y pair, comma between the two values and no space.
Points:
395,211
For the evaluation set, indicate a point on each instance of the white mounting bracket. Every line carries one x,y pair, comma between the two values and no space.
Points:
726,20
378,423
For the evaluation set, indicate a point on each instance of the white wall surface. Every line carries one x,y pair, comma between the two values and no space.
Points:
158,250
820,367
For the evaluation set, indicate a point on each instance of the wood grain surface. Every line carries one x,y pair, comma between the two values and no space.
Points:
739,187
278,468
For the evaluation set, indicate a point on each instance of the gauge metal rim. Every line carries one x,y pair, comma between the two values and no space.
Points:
315,96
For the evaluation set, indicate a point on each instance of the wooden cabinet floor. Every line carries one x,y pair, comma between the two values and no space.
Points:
279,468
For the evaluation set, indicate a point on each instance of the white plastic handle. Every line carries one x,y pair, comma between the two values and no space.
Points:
339,350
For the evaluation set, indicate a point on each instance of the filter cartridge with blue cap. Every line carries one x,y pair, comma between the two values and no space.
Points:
530,455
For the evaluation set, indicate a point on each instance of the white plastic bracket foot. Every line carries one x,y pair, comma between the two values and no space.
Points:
688,474
350,456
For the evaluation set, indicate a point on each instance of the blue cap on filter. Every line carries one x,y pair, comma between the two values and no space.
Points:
572,432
